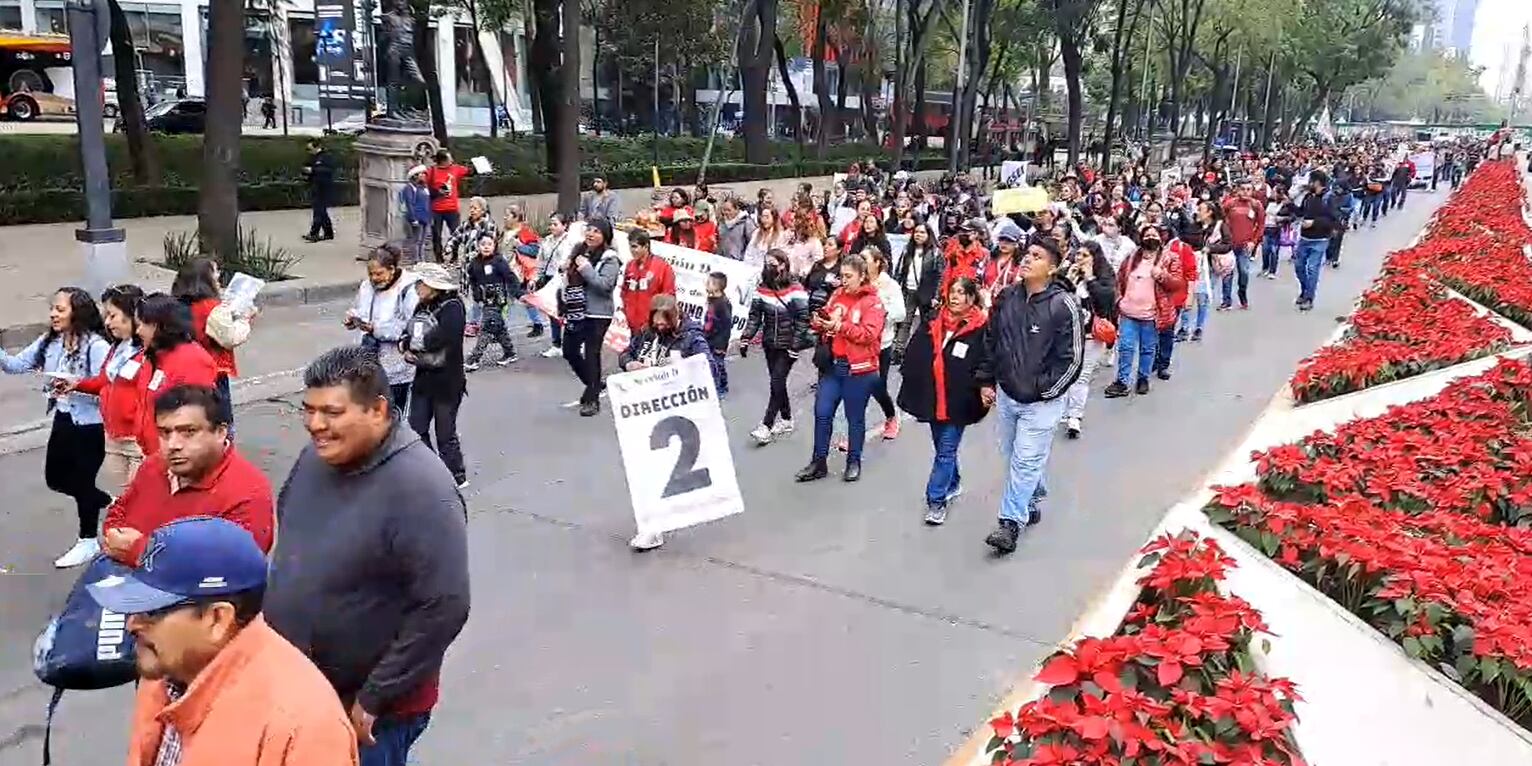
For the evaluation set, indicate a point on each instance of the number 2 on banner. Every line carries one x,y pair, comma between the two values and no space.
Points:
684,477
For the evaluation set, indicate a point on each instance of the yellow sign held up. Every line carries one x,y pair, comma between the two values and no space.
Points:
1028,200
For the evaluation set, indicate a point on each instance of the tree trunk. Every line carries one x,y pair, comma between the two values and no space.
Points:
1069,49
822,89
544,69
425,53
568,173
979,50
146,166
534,64
918,116
870,82
1217,112
1122,41
218,209
480,63
754,66
843,127
792,92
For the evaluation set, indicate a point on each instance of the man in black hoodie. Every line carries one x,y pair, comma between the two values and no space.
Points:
1037,344
370,577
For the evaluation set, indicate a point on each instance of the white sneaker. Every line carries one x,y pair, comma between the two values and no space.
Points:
553,352
761,434
646,542
471,367
83,551
571,405
782,427
1072,427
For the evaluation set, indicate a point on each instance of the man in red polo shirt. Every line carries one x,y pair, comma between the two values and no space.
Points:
196,472
645,276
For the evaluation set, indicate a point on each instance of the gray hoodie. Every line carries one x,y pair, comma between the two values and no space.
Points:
369,577
734,236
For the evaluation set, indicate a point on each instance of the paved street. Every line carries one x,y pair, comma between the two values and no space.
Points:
824,625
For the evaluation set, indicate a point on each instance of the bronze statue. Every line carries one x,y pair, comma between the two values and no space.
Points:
401,71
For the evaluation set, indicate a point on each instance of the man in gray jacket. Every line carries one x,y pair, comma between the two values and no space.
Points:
370,574
735,228
599,202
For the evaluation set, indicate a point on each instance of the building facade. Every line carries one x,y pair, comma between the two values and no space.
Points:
170,41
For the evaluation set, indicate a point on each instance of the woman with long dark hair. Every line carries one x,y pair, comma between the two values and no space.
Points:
175,358
119,383
946,358
850,329
72,349
197,286
780,313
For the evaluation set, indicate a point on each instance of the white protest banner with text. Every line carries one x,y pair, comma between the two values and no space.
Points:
692,268
1013,173
675,446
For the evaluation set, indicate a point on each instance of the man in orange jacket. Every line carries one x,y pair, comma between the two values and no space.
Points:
219,686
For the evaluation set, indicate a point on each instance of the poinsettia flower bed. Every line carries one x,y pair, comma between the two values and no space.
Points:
1176,685
1417,522
1476,245
1405,325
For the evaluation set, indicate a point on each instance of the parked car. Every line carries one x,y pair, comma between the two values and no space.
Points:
177,115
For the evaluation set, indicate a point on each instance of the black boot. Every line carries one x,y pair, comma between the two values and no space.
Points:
1142,387
1003,539
814,471
1116,389
853,471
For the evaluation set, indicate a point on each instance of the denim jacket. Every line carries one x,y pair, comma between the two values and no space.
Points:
85,362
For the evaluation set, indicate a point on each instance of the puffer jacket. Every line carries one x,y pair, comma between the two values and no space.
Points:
1037,342
655,350
781,316
859,340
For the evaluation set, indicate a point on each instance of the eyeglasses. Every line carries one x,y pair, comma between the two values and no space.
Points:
163,612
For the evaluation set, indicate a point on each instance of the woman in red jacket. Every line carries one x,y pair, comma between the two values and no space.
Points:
850,329
196,285
175,358
120,384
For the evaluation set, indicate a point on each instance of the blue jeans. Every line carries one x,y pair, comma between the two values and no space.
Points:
1306,262
1203,299
1242,271
1136,340
534,317
835,387
1371,204
394,736
1026,438
1167,343
945,476
1271,239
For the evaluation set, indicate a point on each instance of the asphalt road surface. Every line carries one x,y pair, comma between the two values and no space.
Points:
826,624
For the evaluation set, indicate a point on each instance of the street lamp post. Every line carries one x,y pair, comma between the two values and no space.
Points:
104,245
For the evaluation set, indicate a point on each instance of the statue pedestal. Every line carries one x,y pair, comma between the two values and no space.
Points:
384,154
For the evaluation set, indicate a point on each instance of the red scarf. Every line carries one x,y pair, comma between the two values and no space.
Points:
940,325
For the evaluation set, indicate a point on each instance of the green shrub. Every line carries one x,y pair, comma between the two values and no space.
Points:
256,256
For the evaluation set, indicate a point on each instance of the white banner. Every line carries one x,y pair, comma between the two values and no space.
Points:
1425,166
675,447
692,268
1013,173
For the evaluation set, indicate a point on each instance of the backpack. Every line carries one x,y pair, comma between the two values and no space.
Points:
84,646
